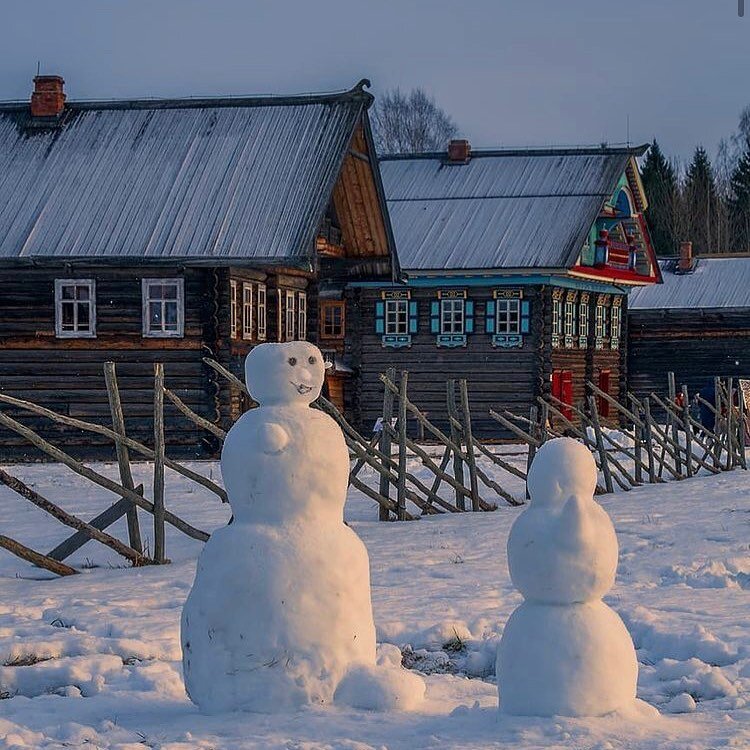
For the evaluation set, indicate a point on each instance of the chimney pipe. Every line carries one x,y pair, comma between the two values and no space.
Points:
48,99
685,263
459,151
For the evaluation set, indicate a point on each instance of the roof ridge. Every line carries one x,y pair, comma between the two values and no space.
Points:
531,151
355,93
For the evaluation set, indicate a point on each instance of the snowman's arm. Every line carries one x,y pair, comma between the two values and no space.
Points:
272,437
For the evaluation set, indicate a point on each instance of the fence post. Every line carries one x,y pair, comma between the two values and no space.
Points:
638,449
730,425
688,432
469,445
123,454
385,442
717,422
671,423
741,426
401,487
456,437
648,421
159,552
600,444
534,432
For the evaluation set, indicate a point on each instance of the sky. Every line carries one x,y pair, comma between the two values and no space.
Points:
509,72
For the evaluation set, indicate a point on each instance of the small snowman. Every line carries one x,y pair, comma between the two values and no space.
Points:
280,614
564,651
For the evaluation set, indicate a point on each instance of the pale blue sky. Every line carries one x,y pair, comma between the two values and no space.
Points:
510,72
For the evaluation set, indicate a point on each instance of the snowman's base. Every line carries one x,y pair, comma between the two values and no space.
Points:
566,660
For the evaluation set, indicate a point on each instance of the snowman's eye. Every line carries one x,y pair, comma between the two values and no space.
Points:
311,360
292,361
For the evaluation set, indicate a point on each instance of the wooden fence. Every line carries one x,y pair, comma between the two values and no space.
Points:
472,475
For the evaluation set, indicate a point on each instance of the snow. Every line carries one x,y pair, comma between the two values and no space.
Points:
280,614
563,651
441,591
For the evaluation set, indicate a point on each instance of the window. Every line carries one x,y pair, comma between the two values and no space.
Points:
451,316
396,317
332,320
247,310
261,312
615,325
290,316
163,313
583,320
508,316
570,318
302,316
601,321
75,308
233,309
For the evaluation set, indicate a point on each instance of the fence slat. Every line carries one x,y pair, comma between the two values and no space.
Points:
159,449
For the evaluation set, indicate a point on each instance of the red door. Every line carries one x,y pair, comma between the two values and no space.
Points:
562,389
604,378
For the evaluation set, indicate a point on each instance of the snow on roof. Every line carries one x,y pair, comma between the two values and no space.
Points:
716,282
208,178
500,210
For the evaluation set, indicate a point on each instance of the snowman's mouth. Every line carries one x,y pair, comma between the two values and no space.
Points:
301,388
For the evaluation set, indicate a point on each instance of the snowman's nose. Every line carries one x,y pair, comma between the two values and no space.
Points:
305,376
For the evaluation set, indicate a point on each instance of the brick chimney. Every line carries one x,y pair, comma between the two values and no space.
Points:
459,151
685,263
48,99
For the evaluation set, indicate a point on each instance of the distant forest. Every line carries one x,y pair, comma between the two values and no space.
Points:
705,202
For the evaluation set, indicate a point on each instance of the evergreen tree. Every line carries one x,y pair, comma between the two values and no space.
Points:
660,184
701,204
739,202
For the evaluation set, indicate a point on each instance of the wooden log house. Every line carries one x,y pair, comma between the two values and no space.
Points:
518,266
696,325
172,230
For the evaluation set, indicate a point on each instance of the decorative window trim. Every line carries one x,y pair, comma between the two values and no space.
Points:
583,320
88,333
233,309
570,321
325,306
508,338
247,310
302,316
179,333
290,314
557,318
615,323
397,297
262,312
601,321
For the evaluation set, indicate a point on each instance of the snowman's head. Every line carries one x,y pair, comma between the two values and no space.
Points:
290,373
562,468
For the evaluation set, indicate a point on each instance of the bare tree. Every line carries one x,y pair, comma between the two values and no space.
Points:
410,123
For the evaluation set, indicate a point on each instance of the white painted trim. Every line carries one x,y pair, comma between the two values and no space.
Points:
302,316
91,333
262,331
247,331
180,332
233,321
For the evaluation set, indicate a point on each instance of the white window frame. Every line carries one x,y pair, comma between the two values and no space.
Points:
262,312
290,315
601,322
615,322
396,317
452,316
88,333
247,310
570,318
233,309
150,333
302,316
583,319
505,310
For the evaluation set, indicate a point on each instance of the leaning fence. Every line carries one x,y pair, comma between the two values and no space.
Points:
446,470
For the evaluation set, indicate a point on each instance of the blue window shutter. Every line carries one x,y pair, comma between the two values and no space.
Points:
525,308
469,315
380,317
435,316
413,321
489,316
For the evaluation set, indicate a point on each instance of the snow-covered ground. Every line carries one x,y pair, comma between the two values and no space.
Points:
106,643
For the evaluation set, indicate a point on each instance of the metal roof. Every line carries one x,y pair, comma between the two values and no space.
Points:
502,209
715,283
193,179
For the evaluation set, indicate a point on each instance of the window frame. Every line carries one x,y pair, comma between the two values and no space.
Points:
457,315
584,321
392,307
290,314
247,310
601,322
510,302
302,316
147,332
89,333
325,306
262,329
233,309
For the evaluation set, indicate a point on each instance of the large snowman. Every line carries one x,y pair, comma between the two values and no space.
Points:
564,651
280,613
